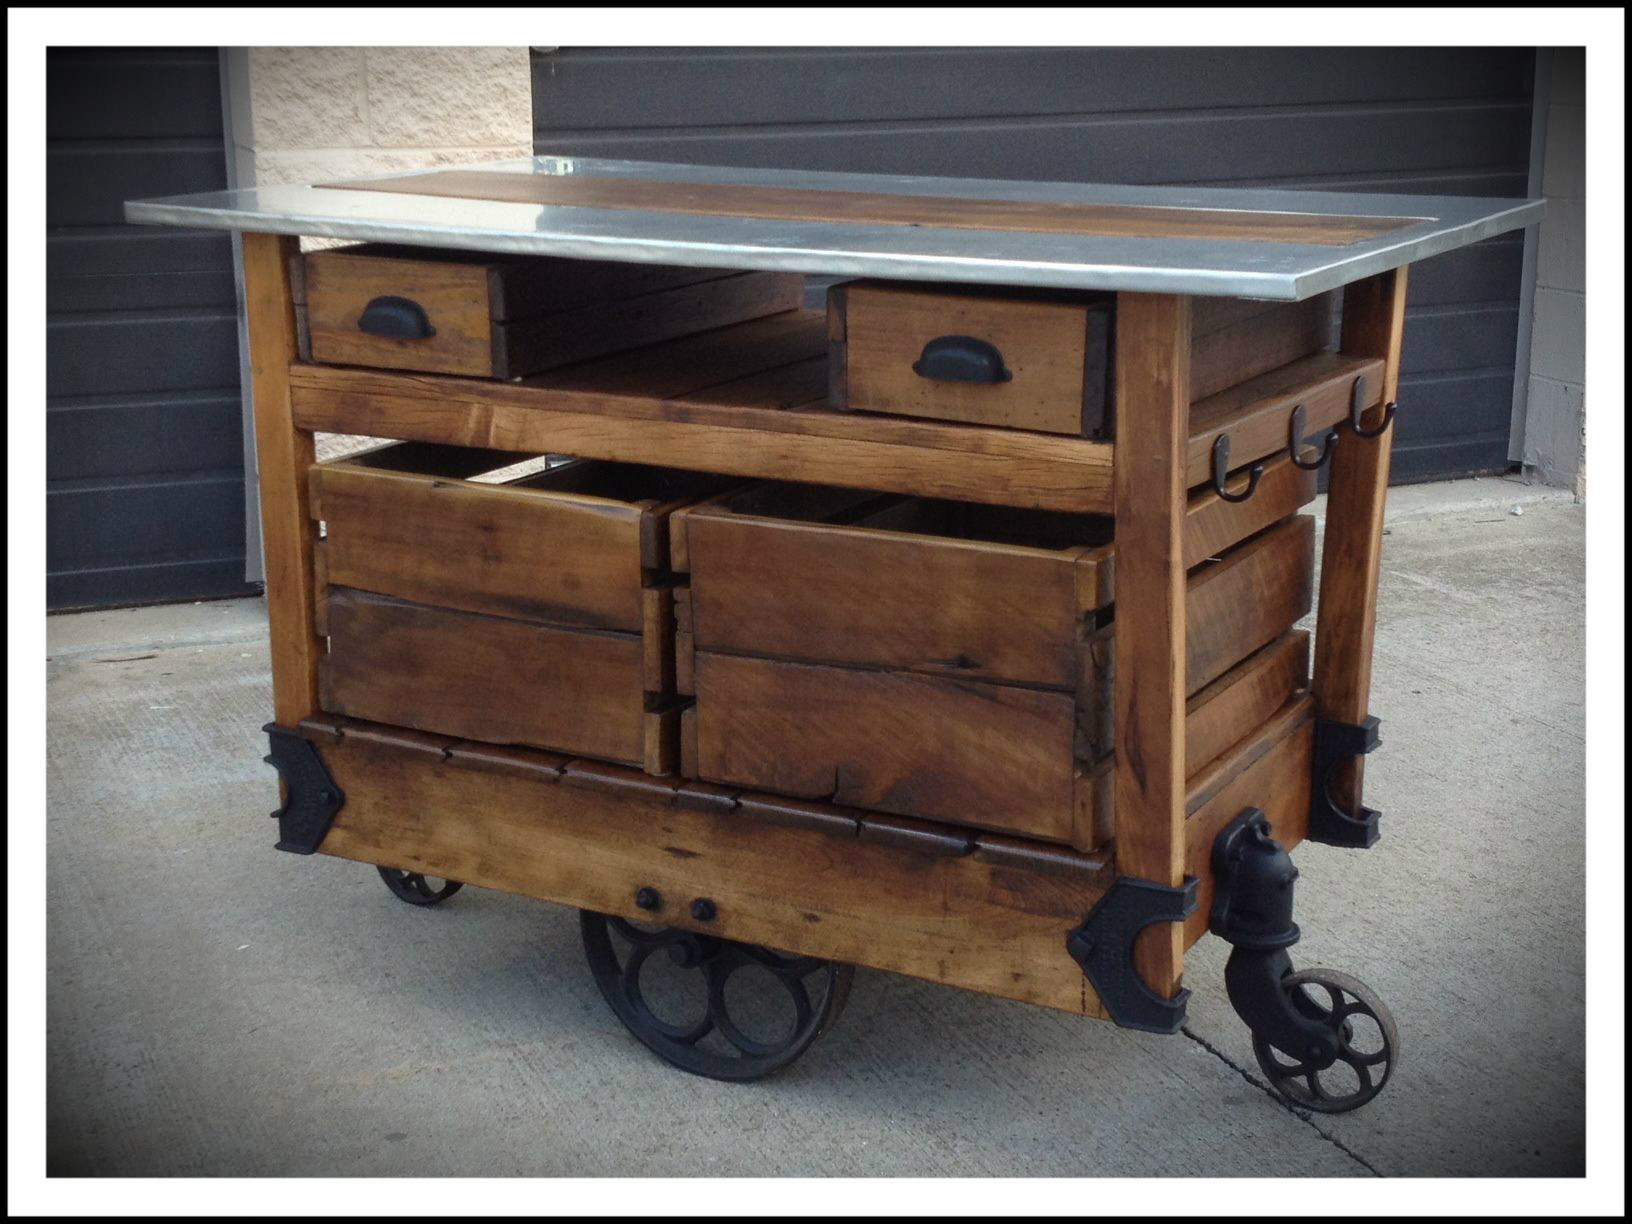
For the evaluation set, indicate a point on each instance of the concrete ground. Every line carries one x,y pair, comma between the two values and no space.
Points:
218,1008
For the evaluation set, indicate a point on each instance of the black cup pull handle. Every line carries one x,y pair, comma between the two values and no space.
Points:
395,318
961,359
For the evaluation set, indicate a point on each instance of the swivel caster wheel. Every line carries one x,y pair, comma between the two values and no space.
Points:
1367,1041
414,888
712,1006
1324,1039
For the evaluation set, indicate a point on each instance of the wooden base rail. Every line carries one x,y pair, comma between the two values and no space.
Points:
985,912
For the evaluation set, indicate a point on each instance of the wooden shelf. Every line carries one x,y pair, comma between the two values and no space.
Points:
749,400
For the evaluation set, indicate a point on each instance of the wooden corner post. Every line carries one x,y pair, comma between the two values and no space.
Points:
1346,623
284,455
1152,431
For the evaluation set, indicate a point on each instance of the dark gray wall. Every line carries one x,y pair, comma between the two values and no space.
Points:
1425,120
144,440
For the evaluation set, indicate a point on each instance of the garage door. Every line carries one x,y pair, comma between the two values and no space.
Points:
144,442
1423,120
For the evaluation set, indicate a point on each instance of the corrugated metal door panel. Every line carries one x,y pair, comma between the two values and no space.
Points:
597,88
1432,121
1158,147
144,439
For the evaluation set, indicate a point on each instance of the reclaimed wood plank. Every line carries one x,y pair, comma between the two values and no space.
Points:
1255,414
1247,599
976,921
526,346
504,316
1043,347
453,293
1153,343
992,756
551,556
1243,349
970,463
1212,524
1373,324
485,678
881,208
874,597
284,450
1243,697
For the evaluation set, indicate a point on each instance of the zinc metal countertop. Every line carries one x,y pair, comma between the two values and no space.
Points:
1212,266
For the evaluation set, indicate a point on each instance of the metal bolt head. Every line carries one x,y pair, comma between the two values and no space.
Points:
647,898
702,909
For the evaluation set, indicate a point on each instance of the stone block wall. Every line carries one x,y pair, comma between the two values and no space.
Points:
310,114
305,114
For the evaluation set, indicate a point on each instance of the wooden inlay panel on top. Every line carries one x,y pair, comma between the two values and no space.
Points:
876,208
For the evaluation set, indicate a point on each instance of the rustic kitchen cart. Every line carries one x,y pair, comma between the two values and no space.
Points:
951,631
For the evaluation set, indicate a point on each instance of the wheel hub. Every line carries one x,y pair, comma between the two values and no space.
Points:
721,1028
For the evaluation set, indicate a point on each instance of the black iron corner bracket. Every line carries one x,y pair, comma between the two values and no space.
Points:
311,796
1336,742
1103,946
1252,909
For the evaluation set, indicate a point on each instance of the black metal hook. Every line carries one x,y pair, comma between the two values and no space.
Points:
1357,408
1221,467
1294,442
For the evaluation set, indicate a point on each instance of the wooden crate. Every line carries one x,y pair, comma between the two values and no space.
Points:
496,316
535,611
1038,360
952,662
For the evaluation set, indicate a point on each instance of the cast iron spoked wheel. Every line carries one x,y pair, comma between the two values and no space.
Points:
1368,1044
412,887
711,1006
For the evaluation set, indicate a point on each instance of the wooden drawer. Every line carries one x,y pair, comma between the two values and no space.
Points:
492,316
1039,361
535,611
949,661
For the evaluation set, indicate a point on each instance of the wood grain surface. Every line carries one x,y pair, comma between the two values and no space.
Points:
485,677
1212,524
1044,347
1373,325
1153,345
991,920
1243,698
866,596
990,755
878,208
1248,598
453,294
284,450
1054,346
1263,337
531,554
1256,413
504,317
696,412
